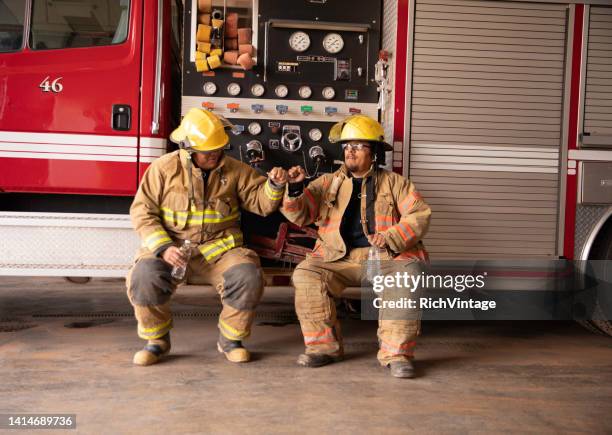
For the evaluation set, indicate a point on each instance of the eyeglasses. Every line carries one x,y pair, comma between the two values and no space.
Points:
210,153
355,146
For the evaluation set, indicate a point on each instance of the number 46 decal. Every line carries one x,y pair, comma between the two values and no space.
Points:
51,86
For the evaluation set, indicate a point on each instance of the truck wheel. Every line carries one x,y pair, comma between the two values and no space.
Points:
587,324
602,251
78,279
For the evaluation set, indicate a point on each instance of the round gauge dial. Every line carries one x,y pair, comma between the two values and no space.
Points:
333,43
210,88
281,91
257,90
315,134
328,93
299,41
233,89
254,128
305,91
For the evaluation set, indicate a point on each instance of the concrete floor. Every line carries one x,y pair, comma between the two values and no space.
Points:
67,348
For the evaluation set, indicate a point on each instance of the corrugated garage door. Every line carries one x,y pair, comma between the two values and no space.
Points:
486,125
598,94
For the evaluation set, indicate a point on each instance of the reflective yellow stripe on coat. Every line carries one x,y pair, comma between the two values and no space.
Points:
216,248
156,239
198,217
272,193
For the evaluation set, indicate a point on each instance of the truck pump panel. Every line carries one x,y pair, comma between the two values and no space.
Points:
311,65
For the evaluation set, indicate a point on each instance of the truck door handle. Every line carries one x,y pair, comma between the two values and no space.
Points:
122,117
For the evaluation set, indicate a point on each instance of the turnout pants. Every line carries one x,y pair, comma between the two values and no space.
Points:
317,283
237,276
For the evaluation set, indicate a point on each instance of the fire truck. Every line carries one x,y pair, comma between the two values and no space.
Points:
499,111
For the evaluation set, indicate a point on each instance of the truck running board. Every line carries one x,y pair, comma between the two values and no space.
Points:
66,244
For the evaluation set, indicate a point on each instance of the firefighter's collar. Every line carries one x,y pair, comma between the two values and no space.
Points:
344,171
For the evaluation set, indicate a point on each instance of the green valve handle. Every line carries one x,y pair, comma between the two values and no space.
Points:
306,109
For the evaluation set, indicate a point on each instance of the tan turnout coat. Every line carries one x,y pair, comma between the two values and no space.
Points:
172,204
400,213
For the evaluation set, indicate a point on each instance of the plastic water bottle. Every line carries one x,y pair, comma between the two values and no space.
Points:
373,268
178,272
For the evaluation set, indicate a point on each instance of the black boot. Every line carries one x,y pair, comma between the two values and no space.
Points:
316,359
401,369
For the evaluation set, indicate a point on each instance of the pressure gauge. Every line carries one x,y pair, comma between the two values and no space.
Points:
305,91
328,93
233,89
315,134
281,91
210,88
299,41
333,43
254,128
257,90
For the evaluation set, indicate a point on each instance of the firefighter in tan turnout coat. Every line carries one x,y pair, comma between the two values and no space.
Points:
196,194
357,206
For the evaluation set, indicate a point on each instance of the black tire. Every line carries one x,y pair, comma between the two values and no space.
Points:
78,279
602,250
588,324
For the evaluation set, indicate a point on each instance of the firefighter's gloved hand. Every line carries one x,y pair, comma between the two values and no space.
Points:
377,240
174,257
296,174
278,176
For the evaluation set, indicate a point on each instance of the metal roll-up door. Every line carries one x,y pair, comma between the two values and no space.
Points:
486,125
598,93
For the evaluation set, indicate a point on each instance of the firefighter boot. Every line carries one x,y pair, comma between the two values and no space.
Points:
153,351
316,359
234,351
401,369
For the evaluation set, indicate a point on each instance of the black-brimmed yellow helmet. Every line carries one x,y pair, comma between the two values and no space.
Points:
359,127
201,131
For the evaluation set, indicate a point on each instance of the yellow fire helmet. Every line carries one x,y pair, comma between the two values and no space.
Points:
359,127
201,131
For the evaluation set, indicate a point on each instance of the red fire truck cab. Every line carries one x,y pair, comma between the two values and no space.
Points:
86,93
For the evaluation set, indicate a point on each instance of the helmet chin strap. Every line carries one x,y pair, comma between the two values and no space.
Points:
190,192
186,145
